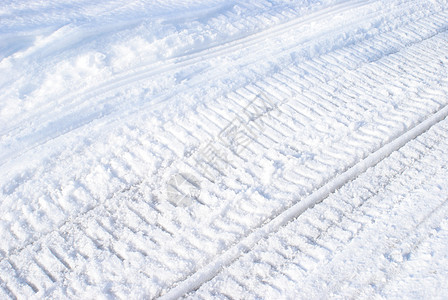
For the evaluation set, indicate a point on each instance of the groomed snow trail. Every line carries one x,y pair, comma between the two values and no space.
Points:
361,240
218,149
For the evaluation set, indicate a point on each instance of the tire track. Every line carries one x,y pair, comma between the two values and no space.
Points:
59,126
303,175
130,77
101,249
272,227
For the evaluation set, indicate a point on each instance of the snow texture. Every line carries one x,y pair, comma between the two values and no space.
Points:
223,149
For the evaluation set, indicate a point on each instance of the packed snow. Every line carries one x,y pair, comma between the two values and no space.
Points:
223,149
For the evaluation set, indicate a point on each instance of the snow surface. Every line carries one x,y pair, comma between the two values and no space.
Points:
223,149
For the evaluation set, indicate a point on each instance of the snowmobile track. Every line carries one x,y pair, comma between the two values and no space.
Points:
136,229
103,93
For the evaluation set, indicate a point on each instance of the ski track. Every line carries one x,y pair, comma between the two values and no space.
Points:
56,126
143,73
354,85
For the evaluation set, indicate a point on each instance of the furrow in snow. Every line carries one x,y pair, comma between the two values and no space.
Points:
356,241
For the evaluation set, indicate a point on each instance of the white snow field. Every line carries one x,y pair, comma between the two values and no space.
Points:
200,149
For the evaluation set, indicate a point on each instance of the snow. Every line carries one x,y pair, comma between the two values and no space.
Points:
191,148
